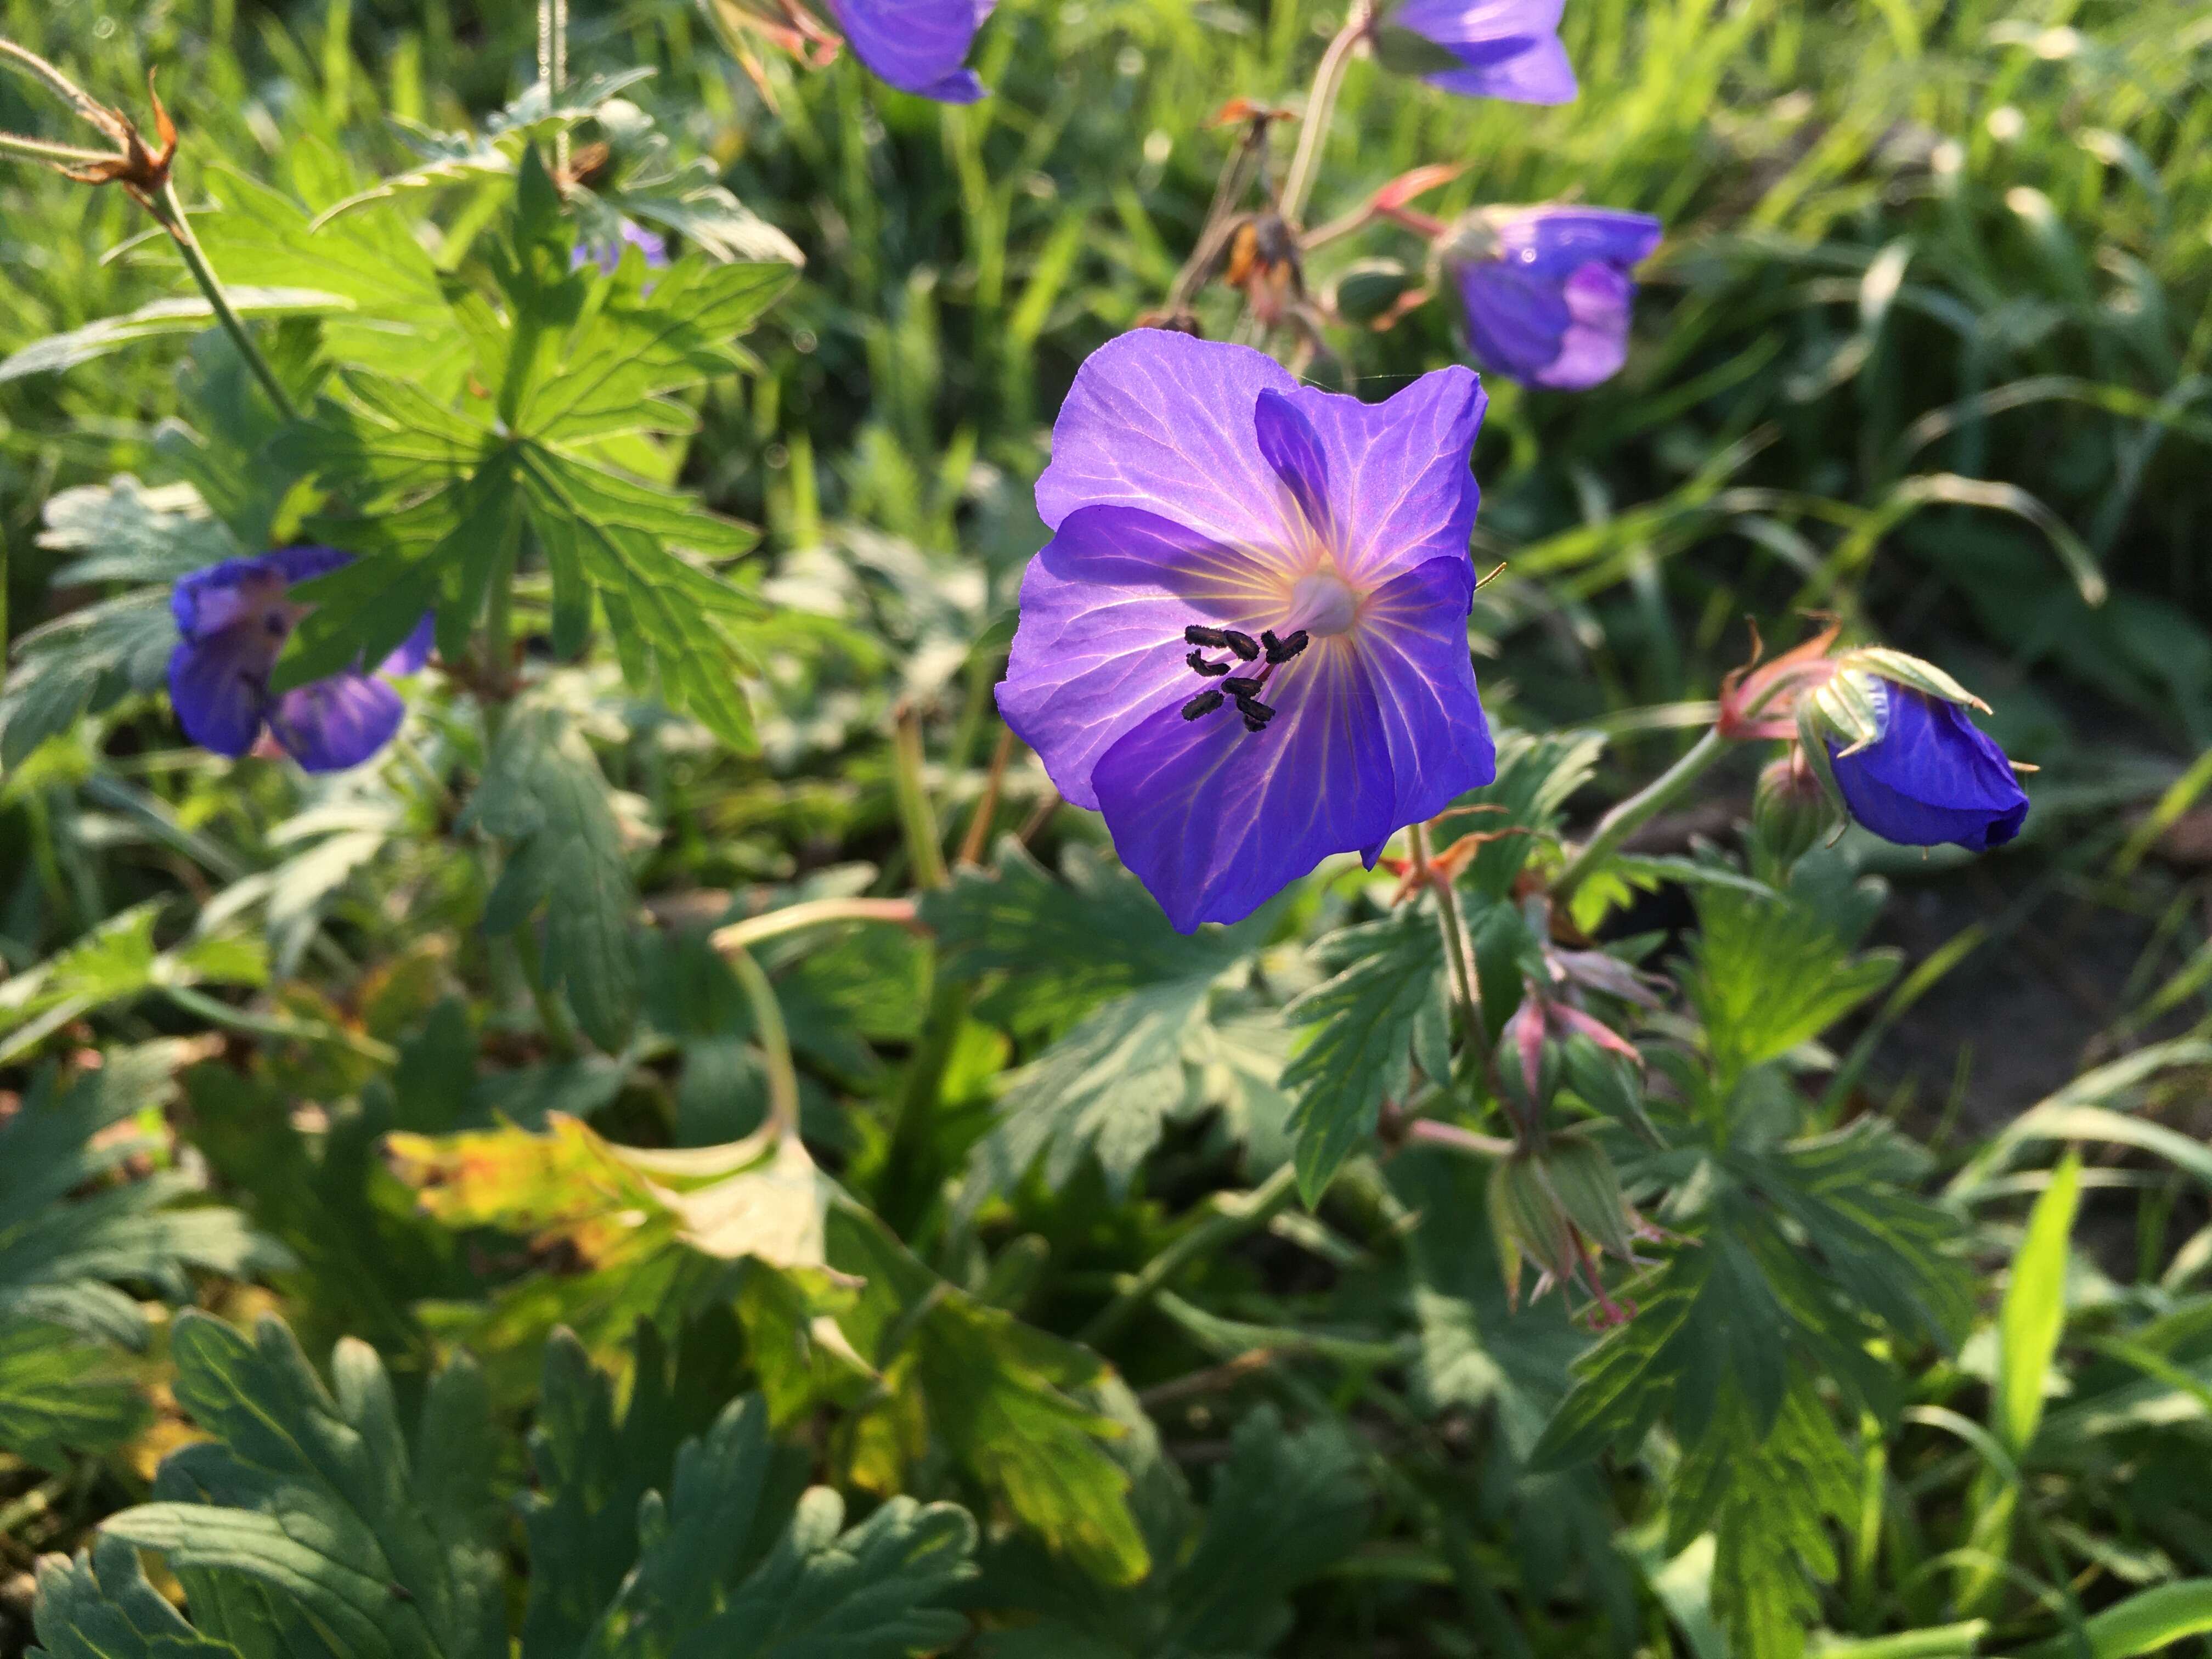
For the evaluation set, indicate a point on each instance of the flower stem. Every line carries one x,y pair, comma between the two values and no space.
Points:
1320,105
976,841
553,69
775,1043
815,912
170,214
924,845
1616,826
38,149
1440,1133
60,84
1234,1215
1454,930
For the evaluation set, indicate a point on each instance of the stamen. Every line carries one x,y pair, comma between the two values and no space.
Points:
1195,635
1199,666
1281,650
1252,710
1240,688
1243,644
1202,705
1254,722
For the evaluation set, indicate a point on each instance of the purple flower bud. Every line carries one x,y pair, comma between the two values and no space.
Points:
1481,48
1932,776
1200,497
918,46
1547,289
235,618
607,255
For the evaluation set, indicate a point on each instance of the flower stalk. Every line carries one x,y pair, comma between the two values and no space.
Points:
1631,814
1321,106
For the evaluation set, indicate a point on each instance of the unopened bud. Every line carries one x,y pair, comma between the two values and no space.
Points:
1529,1222
1588,1191
1791,812
1370,291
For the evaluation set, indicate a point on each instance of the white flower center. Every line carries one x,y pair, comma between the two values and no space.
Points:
1323,604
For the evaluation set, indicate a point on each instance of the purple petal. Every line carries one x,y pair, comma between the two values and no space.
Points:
1552,308
1216,820
1595,344
1510,48
413,651
305,561
1396,473
1932,777
1293,448
917,45
332,724
1164,422
1100,645
1559,240
1373,730
1515,318
219,686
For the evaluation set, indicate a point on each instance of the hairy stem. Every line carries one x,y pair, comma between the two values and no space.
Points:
58,83
740,936
38,149
1320,105
171,215
1631,814
925,846
976,841
1455,932
775,1043
553,69
1440,1133
1234,1215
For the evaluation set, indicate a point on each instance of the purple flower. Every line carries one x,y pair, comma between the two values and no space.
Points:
1932,776
1503,48
607,255
235,618
1547,290
1246,643
918,46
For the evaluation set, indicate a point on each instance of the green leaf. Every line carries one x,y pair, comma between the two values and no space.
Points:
1768,1500
102,1607
123,532
1003,1398
310,1522
115,961
1385,1012
2034,1312
159,320
83,663
60,1396
2150,1621
1536,777
543,792
1770,975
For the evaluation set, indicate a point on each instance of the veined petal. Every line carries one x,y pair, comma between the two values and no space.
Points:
302,562
1413,639
1933,776
1396,474
1100,645
219,686
917,45
1595,344
1292,447
332,724
1215,820
1515,318
412,652
1163,422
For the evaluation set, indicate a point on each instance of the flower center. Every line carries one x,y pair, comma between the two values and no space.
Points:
1228,682
1324,604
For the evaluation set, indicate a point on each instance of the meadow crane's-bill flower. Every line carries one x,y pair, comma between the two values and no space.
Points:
1547,289
234,618
1246,643
607,255
917,45
1505,49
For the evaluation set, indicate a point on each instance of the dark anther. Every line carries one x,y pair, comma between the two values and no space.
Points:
1240,688
1252,710
1195,635
1254,723
1201,705
1268,643
1284,650
1243,644
1199,664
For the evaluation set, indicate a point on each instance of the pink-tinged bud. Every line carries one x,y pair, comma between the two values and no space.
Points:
1792,810
1559,1206
1760,702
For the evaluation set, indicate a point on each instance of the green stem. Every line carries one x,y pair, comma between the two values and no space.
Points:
171,215
775,1042
925,845
815,912
1454,930
38,149
553,69
284,1031
60,84
1235,1215
1616,826
1440,1133
552,1016
1321,106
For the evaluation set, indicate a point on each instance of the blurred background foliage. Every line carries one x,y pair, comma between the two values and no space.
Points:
1927,346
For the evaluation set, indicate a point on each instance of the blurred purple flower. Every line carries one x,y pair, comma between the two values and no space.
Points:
1547,289
1246,643
235,618
1504,48
917,45
1932,776
607,255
